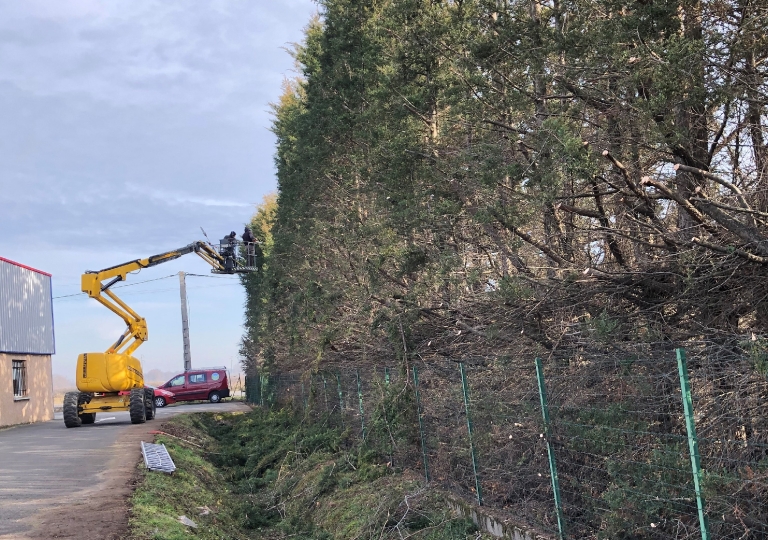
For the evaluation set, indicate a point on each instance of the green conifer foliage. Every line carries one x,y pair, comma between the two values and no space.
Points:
498,178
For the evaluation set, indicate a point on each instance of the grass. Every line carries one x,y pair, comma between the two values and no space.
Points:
196,485
273,475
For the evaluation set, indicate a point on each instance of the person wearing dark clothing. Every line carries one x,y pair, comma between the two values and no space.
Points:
249,242
228,244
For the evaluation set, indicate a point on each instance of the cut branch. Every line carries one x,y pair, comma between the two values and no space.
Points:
731,250
580,211
751,236
632,186
732,208
530,240
680,200
721,181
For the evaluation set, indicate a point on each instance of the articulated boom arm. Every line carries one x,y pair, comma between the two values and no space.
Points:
136,333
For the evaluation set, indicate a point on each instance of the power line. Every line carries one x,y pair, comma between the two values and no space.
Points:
176,288
232,278
151,291
213,276
119,286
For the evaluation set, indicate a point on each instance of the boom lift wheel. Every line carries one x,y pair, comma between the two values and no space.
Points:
138,409
71,402
149,403
84,399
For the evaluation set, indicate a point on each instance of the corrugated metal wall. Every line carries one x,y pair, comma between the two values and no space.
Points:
26,311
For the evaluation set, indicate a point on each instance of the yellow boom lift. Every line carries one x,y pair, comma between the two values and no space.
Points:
113,380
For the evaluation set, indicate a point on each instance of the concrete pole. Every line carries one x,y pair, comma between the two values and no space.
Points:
185,322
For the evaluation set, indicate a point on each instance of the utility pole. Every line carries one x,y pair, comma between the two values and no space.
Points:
185,322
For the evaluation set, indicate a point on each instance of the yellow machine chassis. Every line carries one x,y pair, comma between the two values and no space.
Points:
111,402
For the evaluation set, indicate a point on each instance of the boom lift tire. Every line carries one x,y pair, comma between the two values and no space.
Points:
138,409
84,399
149,403
71,402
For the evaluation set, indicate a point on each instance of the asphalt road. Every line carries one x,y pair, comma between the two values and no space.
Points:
45,465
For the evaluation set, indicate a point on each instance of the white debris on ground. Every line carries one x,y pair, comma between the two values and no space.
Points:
184,520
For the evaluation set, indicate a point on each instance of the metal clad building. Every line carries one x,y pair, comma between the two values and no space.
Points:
26,310
26,344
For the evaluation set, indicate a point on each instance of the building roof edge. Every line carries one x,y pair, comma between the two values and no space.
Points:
25,266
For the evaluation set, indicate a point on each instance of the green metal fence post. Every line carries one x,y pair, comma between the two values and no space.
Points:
259,391
390,443
465,390
341,397
360,401
693,442
251,389
257,385
274,390
274,386
421,424
550,450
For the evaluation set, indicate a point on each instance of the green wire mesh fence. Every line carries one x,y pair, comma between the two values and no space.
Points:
618,435
618,432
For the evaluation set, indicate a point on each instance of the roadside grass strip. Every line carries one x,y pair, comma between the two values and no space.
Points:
276,475
196,485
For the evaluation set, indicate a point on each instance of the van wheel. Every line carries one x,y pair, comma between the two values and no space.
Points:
160,402
214,397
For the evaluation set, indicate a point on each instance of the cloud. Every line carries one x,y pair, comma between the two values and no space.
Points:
128,125
174,199
44,9
128,52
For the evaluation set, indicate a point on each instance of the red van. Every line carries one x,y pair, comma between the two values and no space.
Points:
202,383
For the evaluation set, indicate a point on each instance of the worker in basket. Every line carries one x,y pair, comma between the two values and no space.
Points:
249,241
254,254
228,244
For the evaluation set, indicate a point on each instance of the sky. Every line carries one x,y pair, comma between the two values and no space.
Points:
127,125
